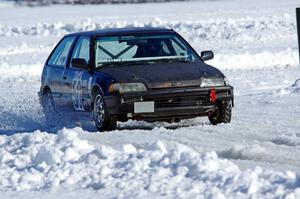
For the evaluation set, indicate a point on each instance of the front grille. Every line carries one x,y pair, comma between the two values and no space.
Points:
181,101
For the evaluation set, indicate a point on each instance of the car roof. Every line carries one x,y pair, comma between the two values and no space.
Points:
120,31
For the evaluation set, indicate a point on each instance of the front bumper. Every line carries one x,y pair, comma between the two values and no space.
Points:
170,103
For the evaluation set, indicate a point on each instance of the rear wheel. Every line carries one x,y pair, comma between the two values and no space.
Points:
103,121
222,114
49,110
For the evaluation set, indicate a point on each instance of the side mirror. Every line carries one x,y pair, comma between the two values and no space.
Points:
207,55
79,63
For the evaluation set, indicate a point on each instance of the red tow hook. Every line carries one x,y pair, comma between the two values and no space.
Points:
213,97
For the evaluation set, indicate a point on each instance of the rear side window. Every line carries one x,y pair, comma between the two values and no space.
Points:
60,55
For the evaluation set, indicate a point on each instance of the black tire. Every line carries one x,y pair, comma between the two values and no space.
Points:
51,115
222,114
103,121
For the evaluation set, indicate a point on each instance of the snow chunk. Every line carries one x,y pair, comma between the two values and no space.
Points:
48,155
129,149
243,152
288,139
67,134
293,89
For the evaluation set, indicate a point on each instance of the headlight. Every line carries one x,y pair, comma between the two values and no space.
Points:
212,81
127,87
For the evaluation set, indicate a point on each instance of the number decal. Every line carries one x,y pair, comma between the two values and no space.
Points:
90,84
77,88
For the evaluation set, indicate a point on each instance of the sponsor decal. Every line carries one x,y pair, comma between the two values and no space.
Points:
77,90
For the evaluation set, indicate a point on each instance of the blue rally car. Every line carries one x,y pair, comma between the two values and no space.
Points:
149,74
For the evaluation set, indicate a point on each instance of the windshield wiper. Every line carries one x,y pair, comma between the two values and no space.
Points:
174,60
182,60
123,63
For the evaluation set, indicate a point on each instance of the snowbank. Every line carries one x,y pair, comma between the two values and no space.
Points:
260,60
81,2
216,34
34,161
241,29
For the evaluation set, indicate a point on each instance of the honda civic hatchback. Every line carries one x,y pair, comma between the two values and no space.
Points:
149,74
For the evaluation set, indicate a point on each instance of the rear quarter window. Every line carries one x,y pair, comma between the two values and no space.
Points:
60,54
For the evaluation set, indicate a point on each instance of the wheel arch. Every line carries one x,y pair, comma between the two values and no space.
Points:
99,86
45,89
95,89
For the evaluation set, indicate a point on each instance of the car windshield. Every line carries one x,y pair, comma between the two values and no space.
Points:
141,49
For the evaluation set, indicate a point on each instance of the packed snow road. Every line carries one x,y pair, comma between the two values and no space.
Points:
255,46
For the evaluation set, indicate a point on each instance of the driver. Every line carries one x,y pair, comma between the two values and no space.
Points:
153,48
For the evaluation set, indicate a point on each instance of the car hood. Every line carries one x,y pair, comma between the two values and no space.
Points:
163,75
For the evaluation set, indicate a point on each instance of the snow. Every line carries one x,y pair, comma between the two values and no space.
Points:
255,156
41,161
295,88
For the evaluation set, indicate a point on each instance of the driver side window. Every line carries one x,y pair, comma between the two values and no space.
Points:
82,49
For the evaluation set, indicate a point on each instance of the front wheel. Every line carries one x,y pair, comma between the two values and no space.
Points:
103,121
222,114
